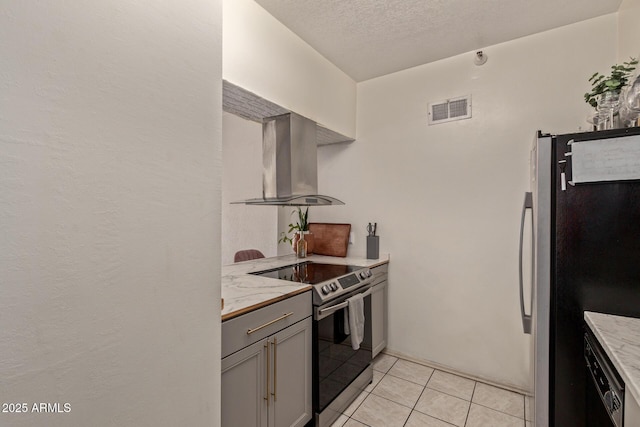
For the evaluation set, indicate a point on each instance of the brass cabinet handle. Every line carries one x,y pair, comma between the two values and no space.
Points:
284,316
266,384
275,368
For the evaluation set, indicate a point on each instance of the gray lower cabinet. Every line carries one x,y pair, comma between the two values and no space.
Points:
379,309
243,387
268,383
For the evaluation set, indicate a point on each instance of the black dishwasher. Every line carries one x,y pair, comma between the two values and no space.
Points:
605,388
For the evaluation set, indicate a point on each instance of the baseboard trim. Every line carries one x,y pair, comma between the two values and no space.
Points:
450,370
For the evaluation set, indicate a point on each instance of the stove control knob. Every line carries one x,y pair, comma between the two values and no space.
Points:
369,273
363,275
333,286
325,290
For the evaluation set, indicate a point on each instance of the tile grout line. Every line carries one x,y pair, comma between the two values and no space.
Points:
449,394
497,410
424,387
472,394
524,415
356,408
453,371
392,401
400,378
384,374
412,408
475,384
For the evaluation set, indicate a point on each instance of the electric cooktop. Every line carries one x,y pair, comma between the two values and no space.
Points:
308,272
328,280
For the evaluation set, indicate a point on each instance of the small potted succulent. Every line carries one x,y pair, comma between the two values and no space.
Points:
301,228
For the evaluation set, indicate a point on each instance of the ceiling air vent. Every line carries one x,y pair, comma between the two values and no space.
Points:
450,110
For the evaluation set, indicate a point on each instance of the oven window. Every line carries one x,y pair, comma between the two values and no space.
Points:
337,363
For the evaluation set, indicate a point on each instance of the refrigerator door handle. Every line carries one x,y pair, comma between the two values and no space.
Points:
526,318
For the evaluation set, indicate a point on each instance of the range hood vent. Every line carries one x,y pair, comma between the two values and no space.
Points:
290,164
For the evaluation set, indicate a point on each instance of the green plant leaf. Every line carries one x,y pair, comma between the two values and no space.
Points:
617,79
301,225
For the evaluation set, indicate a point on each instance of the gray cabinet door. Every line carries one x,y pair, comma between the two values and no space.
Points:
278,368
379,317
291,388
244,387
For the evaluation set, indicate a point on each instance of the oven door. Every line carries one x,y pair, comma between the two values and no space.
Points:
336,363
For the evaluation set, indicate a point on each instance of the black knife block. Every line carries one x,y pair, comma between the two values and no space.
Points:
373,247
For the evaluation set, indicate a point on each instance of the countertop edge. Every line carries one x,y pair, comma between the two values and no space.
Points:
594,321
265,303
243,292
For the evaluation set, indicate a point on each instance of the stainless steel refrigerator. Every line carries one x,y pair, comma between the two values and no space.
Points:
579,250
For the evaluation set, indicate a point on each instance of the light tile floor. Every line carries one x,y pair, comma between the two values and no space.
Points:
407,394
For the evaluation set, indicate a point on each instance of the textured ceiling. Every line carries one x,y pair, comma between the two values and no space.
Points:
370,38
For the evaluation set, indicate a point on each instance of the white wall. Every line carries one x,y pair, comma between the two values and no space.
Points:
447,197
244,227
266,58
110,130
628,30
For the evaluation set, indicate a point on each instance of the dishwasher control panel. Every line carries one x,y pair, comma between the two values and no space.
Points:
610,387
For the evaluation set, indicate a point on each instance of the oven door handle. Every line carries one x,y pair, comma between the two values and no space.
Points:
337,307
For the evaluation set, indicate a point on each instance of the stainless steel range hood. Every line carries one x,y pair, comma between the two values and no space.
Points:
290,164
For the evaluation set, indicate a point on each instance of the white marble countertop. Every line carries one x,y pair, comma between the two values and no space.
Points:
620,338
243,292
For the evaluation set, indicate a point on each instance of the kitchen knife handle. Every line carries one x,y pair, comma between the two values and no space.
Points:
528,204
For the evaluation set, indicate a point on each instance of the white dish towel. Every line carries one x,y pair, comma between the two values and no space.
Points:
354,320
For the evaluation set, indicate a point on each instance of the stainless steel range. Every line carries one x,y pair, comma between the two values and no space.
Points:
340,370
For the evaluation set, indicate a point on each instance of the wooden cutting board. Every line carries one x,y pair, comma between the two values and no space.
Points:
330,239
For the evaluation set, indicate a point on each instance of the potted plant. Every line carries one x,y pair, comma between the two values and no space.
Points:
299,227
600,84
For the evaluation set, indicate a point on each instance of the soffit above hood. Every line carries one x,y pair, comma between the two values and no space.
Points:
249,106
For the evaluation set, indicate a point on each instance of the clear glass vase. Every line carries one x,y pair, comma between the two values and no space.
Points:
301,246
608,108
631,101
